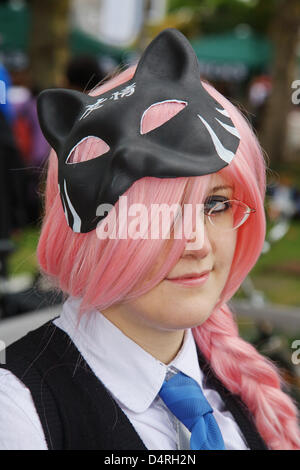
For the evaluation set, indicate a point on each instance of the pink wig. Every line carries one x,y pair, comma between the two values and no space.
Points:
105,272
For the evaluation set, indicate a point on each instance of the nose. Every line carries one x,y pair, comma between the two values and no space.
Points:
200,245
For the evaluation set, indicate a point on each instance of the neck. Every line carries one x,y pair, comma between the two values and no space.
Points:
164,345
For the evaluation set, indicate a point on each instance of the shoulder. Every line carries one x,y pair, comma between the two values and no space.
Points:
30,347
37,366
20,378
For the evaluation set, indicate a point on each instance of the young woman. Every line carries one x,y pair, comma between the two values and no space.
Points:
143,311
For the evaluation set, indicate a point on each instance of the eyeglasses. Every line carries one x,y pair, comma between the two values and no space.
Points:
226,214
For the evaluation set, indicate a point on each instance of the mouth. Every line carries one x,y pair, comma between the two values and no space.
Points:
191,279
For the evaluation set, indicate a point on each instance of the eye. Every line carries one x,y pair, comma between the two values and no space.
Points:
159,113
87,149
216,204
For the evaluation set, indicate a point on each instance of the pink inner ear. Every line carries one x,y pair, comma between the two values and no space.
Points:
159,113
89,148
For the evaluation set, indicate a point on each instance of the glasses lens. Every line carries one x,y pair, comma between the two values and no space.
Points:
228,215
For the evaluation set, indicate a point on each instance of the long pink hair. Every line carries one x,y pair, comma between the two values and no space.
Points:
105,272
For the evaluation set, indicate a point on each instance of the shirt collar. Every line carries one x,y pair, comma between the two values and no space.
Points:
130,373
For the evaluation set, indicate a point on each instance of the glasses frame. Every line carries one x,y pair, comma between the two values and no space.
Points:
248,211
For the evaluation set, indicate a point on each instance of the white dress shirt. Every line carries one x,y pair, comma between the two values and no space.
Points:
132,376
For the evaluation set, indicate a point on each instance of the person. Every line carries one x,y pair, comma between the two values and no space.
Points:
13,216
141,312
5,104
282,205
30,141
83,72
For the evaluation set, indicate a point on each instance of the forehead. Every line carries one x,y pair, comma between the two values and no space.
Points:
220,183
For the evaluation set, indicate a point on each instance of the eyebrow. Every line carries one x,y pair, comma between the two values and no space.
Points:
218,188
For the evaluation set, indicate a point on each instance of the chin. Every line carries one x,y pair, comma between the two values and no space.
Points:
192,318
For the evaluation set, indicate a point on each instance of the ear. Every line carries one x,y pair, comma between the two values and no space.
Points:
169,56
58,109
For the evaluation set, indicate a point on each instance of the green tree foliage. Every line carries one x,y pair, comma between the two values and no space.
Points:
223,15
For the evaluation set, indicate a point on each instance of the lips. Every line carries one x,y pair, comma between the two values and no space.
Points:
190,276
190,280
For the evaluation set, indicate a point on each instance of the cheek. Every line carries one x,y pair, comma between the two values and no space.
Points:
225,249
166,307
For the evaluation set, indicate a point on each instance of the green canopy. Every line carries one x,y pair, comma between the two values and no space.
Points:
14,28
14,36
251,51
81,43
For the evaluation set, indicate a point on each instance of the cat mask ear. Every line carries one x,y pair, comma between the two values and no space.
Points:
58,109
171,57
199,140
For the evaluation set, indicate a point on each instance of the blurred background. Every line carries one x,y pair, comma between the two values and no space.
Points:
248,49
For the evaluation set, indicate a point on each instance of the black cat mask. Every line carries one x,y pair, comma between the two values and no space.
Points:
199,140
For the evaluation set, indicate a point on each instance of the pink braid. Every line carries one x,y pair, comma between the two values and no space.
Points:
251,376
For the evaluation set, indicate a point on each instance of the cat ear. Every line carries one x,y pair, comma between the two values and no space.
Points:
169,56
58,110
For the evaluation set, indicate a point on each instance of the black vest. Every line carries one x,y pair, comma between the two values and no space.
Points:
76,410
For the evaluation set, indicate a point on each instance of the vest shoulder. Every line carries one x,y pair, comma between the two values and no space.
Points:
41,343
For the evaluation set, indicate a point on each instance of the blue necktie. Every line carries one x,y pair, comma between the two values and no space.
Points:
185,399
